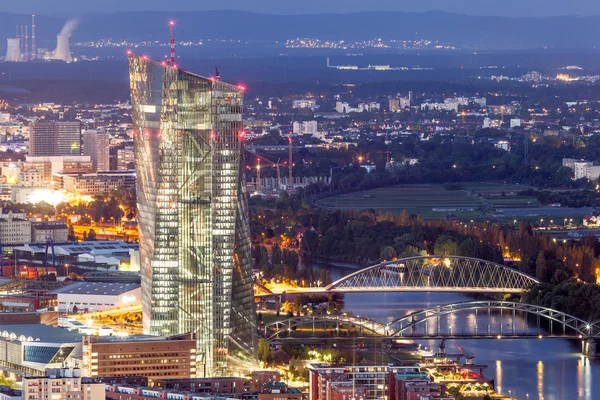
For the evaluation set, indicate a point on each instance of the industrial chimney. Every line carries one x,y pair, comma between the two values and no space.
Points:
33,48
13,50
62,52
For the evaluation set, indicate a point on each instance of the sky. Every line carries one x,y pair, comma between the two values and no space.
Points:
529,8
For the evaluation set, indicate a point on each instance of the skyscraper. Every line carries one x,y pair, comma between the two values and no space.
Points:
193,216
55,138
96,144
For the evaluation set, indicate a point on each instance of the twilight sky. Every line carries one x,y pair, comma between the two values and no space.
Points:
534,8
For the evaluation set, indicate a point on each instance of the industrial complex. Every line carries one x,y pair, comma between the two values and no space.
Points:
22,47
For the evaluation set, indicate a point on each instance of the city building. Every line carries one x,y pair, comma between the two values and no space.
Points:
260,377
208,386
304,103
279,391
347,391
582,169
193,217
28,349
55,138
96,145
377,381
130,392
107,255
14,227
125,159
62,383
97,296
401,103
31,178
305,127
42,231
8,393
150,356
503,144
50,165
94,183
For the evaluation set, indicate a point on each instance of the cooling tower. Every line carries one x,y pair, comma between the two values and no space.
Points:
13,50
62,51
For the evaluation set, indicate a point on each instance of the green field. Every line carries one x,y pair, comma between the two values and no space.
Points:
422,199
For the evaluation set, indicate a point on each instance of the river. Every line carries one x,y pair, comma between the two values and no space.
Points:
549,369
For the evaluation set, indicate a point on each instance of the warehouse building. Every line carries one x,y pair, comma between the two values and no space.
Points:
97,296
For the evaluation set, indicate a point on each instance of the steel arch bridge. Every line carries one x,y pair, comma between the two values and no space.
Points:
277,329
435,274
411,326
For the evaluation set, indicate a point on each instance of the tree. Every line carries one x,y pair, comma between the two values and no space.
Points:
263,350
469,248
388,253
445,246
91,236
276,255
541,268
75,309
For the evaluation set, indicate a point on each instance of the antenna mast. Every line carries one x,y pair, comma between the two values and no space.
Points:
171,25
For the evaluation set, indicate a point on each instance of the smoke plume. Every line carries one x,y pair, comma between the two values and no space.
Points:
69,26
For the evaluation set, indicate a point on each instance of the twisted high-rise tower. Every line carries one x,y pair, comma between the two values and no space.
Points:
193,216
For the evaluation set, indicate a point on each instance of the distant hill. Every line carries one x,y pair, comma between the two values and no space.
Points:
461,30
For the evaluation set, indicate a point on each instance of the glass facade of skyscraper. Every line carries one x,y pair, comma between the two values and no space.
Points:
193,216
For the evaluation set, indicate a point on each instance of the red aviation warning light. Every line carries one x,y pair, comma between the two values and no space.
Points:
242,87
242,134
129,52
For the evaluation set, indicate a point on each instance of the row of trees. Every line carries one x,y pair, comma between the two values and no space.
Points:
285,265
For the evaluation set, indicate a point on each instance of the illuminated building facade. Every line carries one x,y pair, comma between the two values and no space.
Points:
55,138
193,217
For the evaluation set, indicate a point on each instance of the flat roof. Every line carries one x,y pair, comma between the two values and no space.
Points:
97,288
94,247
42,333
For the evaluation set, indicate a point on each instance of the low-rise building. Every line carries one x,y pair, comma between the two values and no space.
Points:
14,227
260,377
8,393
216,385
97,296
62,383
305,127
42,231
279,391
304,103
30,349
95,183
379,380
156,358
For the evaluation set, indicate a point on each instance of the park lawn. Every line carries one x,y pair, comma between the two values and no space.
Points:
409,197
514,201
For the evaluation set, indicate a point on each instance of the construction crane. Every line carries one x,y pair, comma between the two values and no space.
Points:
469,357
258,168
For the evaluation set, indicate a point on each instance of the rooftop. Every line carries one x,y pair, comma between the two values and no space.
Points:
39,333
103,288
93,247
